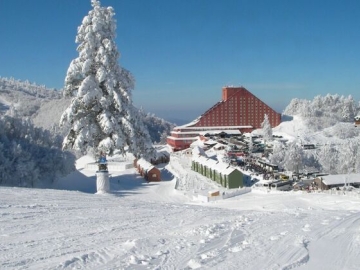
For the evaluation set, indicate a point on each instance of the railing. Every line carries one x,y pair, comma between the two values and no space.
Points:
351,193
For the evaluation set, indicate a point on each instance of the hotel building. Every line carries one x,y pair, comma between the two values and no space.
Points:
238,110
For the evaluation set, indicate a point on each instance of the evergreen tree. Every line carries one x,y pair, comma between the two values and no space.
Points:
328,158
163,137
101,113
348,110
30,156
266,129
348,156
293,160
278,154
250,145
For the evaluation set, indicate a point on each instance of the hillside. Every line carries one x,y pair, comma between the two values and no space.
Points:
167,225
45,107
25,97
153,226
302,129
337,142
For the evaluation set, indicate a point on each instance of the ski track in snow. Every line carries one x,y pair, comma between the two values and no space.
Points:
153,226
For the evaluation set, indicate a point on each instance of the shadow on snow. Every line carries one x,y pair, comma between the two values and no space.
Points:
121,185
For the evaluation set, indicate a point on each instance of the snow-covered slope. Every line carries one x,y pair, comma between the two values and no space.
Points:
45,107
300,128
153,226
50,112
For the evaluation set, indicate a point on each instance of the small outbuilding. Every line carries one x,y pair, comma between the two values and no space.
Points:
161,157
213,193
326,182
147,170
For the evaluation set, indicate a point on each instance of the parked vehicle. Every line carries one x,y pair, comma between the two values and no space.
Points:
270,184
309,146
281,185
283,177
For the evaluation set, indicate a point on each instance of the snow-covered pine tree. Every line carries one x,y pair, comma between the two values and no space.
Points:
163,137
349,109
250,145
30,156
138,138
328,158
278,154
101,114
293,160
266,129
348,156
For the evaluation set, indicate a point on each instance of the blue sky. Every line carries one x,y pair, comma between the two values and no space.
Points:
182,52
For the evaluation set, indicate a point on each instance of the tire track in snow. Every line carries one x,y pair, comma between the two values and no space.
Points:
343,232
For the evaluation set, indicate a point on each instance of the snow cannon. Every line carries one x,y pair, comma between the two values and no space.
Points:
102,176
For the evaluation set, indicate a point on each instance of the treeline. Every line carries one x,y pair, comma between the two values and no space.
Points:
45,106
26,98
340,158
31,150
31,156
158,128
333,117
324,111
31,89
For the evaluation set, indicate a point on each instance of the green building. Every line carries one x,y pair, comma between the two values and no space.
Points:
224,174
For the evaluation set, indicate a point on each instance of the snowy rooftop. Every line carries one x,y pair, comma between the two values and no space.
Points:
220,167
341,179
145,164
197,143
198,151
219,145
210,142
195,121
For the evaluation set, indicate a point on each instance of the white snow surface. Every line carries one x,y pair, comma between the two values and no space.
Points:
143,225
